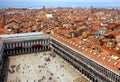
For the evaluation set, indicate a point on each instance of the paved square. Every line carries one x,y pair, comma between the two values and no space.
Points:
40,67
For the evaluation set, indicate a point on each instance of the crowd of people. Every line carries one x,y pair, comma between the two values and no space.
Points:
25,70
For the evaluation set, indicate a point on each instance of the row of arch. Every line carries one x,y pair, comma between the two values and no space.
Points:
75,65
88,71
13,48
26,44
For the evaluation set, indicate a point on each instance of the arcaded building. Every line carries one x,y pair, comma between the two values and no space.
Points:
72,53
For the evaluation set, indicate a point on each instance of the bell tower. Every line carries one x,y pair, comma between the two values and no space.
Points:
44,9
44,12
91,9
2,21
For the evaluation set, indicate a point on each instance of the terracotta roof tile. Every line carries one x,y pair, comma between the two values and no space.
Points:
100,57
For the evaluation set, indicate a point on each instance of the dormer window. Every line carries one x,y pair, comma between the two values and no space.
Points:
109,60
95,53
79,46
83,48
90,51
115,63
99,55
104,58
76,45
73,43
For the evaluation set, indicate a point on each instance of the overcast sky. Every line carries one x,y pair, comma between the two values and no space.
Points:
58,3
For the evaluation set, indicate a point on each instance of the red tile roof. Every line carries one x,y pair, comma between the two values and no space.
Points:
95,55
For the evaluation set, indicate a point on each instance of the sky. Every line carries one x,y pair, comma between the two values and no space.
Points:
58,3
